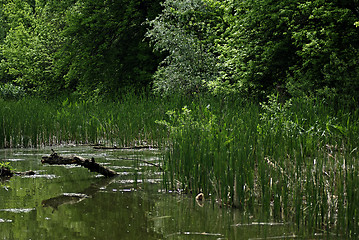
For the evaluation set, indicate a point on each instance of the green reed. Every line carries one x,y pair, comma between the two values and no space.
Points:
33,122
298,160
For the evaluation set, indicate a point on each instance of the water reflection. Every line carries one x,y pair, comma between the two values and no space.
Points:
72,198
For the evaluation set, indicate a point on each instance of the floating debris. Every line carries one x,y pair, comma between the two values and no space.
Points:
278,237
48,176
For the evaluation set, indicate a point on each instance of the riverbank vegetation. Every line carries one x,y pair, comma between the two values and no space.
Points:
33,122
296,160
254,103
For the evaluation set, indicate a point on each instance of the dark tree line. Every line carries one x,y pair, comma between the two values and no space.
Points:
89,47
251,48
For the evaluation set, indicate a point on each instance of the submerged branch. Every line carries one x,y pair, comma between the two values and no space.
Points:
6,172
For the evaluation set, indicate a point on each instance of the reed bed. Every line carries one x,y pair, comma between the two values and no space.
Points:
297,161
33,122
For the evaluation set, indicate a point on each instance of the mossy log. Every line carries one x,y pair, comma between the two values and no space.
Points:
90,164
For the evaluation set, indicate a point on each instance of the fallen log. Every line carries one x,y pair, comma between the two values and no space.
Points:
90,164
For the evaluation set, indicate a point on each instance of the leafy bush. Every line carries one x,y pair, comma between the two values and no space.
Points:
6,165
10,91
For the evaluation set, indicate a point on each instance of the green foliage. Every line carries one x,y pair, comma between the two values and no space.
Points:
52,47
258,47
277,118
327,46
254,48
29,47
3,25
104,48
304,46
10,91
186,31
6,165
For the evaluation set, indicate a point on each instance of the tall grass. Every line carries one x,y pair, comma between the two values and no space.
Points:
298,161
33,122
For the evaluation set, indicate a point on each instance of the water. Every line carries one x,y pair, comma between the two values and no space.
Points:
68,202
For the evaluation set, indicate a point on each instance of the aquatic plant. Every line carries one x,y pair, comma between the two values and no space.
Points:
32,122
297,161
5,165
6,170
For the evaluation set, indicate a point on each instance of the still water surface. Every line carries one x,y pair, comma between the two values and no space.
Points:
68,202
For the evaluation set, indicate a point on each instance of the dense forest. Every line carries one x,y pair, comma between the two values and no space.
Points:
248,48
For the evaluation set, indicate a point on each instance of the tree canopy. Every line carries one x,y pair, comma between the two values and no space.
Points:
85,46
258,47
246,47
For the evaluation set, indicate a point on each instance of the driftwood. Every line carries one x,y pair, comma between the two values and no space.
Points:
90,164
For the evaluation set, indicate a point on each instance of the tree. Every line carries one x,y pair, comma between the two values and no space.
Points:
328,46
186,31
104,49
29,48
91,47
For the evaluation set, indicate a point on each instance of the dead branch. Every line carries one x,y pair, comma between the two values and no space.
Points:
90,164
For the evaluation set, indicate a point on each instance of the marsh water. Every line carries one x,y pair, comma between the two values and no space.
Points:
69,202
